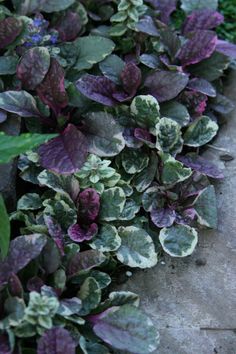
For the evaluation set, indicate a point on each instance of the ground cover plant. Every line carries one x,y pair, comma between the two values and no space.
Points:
117,103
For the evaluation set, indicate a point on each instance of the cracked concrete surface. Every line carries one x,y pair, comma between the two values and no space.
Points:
192,301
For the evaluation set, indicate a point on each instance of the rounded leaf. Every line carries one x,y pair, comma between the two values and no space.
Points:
56,340
200,132
179,240
107,239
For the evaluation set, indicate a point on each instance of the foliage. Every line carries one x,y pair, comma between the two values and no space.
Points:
120,101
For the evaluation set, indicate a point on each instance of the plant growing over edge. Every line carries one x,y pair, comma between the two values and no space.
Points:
131,101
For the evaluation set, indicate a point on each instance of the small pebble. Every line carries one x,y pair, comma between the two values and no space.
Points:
201,262
163,263
129,274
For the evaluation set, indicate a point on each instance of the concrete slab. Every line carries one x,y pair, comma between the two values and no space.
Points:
193,301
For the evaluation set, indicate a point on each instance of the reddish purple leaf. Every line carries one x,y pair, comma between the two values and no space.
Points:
14,286
165,85
4,344
56,341
202,20
144,135
52,90
85,260
131,77
55,231
186,216
97,88
10,28
33,67
88,206
163,217
202,165
166,7
195,102
200,46
226,48
35,284
78,233
66,153
23,249
69,26
202,86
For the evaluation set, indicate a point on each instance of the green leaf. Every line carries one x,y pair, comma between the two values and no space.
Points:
107,239
191,5
173,171
137,248
8,65
205,206
143,180
176,111
179,240
92,50
112,204
90,295
112,68
146,111
168,134
134,161
128,329
12,146
200,132
130,210
29,201
5,229
104,134
25,7
19,102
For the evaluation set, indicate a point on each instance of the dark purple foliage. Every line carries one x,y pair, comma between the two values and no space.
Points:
202,165
165,85
202,86
226,48
35,284
55,231
14,286
166,7
84,261
65,154
79,233
143,135
185,217
204,19
88,206
163,217
131,79
4,344
147,25
10,28
56,341
200,46
23,249
97,88
52,90
196,102
69,26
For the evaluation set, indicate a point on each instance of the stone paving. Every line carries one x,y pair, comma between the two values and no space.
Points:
192,301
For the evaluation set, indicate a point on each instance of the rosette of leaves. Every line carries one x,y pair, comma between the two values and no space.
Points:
98,174
127,16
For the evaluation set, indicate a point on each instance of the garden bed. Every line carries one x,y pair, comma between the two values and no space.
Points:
117,102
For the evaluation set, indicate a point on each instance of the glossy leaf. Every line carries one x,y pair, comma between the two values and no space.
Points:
200,132
19,102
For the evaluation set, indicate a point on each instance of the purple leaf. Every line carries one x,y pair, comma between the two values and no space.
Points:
4,344
226,48
186,217
199,47
85,260
23,250
3,116
144,136
35,284
78,233
202,86
195,102
147,25
52,90
65,154
88,206
163,217
98,89
55,231
69,26
205,19
56,341
14,286
165,85
33,67
131,77
166,7
10,28
202,165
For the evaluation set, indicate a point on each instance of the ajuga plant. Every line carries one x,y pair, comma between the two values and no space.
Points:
122,104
